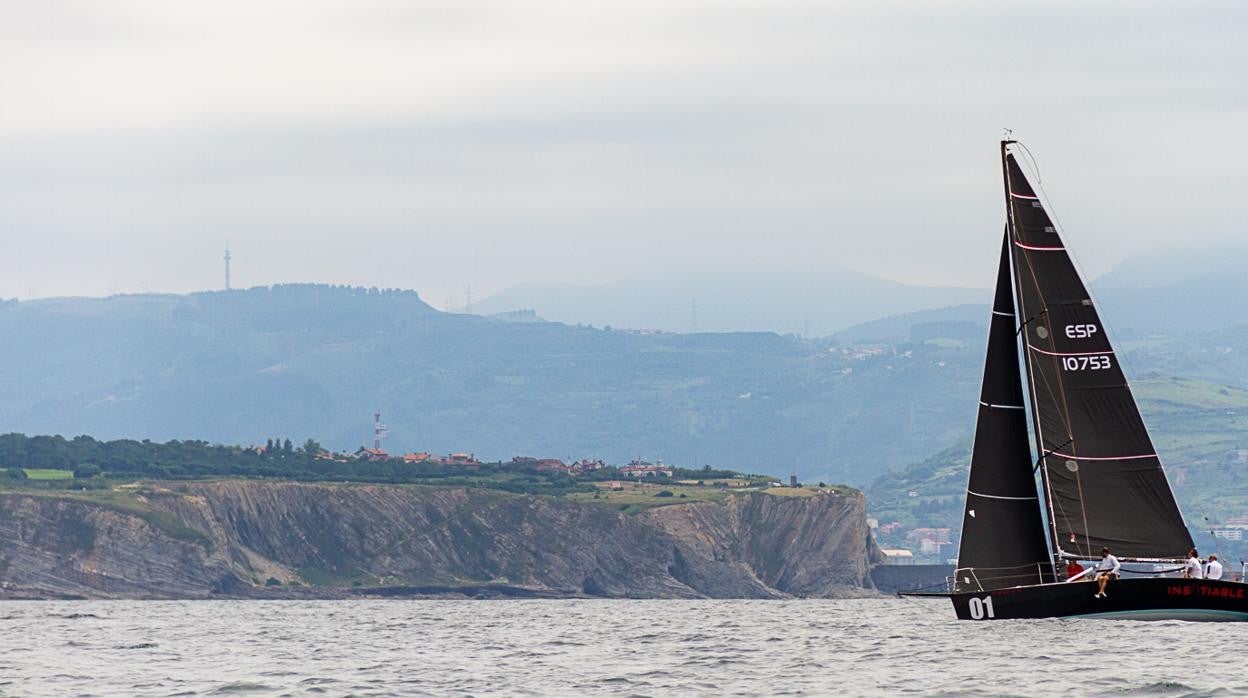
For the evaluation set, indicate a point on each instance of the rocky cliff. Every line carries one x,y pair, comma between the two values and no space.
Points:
251,538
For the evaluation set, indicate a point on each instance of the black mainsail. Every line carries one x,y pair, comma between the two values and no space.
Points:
1003,542
1102,478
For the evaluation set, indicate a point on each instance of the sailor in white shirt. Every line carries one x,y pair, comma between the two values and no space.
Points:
1213,569
1193,568
1106,569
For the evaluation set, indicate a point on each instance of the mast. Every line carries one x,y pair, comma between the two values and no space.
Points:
1023,321
1003,540
1103,481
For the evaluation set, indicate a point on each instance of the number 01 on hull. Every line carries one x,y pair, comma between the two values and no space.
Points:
1154,598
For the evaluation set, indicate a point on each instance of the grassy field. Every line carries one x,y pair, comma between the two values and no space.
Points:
1183,393
792,491
637,496
48,474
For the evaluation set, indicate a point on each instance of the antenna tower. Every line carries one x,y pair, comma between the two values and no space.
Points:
379,430
227,266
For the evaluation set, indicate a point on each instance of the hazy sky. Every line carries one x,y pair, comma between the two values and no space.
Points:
438,145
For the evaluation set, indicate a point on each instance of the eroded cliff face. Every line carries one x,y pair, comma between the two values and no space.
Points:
238,538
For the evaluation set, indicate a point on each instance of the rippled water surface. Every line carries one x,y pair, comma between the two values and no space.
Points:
860,647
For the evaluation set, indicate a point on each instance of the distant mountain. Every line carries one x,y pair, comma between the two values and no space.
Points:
808,302
1176,291
955,322
317,361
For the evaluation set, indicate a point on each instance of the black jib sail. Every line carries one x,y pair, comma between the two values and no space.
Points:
1003,543
1103,480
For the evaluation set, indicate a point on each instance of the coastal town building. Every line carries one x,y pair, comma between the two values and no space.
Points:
642,469
897,556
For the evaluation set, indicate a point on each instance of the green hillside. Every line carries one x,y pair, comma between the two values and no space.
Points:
1201,432
317,361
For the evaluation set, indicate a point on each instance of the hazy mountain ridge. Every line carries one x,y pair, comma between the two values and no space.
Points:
1178,291
811,302
315,361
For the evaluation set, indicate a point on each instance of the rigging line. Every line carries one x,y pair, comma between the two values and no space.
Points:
1035,165
1049,209
1023,566
1083,506
1037,316
1063,405
1050,452
1060,391
1016,273
1124,360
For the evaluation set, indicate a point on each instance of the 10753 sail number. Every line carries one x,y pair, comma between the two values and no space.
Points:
1097,362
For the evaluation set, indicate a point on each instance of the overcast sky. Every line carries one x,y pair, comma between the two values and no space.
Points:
439,145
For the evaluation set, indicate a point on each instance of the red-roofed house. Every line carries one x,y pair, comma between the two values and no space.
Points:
553,465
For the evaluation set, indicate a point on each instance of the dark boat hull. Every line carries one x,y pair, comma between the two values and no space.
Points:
1156,598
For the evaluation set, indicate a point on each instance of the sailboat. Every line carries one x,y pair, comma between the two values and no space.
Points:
1101,483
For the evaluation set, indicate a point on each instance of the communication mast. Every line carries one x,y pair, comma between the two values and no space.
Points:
227,266
379,430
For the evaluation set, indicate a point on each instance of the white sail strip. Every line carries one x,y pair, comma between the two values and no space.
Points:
1070,353
1001,407
1037,248
997,496
1139,457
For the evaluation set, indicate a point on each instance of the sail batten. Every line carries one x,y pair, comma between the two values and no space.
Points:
1104,483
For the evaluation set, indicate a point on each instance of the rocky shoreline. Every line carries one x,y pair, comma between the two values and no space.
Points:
262,539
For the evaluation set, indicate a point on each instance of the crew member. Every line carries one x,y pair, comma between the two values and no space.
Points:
1193,569
1213,568
1106,569
1073,569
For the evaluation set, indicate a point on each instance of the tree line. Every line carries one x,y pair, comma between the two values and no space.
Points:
280,458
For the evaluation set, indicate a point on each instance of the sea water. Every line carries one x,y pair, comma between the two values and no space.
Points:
579,647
